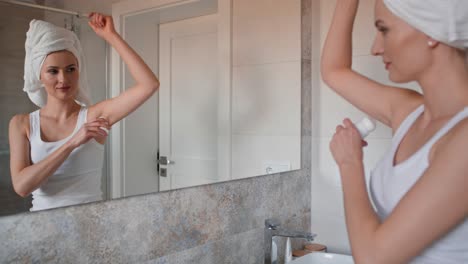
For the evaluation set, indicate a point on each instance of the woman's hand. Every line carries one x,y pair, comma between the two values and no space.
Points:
95,129
101,24
346,145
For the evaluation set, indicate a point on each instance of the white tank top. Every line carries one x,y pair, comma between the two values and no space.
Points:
78,179
390,183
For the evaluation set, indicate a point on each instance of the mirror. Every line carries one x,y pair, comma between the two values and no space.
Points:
228,106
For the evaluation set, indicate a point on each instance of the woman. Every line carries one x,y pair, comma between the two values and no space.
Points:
419,187
57,151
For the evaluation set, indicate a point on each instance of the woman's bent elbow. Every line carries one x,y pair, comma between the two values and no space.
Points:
328,73
329,77
154,87
21,191
325,76
148,89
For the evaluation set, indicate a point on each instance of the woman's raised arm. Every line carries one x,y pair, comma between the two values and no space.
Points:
147,83
377,100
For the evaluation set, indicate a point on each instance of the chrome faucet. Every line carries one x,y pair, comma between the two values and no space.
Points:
272,229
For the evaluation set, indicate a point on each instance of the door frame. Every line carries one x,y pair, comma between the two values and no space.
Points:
127,8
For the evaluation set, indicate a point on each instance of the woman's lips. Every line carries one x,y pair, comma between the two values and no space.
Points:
63,88
387,65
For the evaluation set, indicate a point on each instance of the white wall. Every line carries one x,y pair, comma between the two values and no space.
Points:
266,85
328,111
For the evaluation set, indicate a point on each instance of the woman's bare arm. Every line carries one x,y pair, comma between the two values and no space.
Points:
27,177
436,204
377,100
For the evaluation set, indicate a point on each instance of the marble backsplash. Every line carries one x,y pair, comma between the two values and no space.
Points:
218,223
162,228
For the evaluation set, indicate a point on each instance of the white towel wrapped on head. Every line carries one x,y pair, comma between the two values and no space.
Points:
42,39
443,20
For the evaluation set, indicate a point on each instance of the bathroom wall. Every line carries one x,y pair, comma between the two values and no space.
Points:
219,223
265,104
329,110
12,98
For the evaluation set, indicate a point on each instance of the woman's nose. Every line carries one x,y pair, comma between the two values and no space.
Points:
377,47
61,76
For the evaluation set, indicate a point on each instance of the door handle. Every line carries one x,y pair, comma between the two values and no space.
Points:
163,160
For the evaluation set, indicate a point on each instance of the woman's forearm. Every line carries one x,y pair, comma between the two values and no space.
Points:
32,177
337,51
361,220
142,74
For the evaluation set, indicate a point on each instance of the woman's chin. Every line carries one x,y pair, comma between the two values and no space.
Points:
65,97
398,79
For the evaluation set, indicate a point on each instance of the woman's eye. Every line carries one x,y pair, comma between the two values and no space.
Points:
71,69
383,30
52,71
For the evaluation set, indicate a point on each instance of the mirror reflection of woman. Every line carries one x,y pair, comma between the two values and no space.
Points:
419,187
57,151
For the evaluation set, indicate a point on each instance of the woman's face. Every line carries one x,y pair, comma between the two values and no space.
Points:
404,50
59,74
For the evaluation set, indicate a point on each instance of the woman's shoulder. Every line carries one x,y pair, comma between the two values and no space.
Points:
455,141
20,118
19,123
460,130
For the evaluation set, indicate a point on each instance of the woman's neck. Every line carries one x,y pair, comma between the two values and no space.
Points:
445,87
58,109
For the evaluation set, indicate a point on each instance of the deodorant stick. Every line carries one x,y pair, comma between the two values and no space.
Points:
365,126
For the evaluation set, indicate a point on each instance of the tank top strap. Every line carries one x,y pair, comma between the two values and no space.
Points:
82,116
449,125
406,125
34,125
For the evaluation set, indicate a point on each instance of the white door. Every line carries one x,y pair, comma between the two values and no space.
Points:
135,140
188,96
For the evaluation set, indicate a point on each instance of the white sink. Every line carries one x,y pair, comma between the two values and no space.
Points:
324,258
